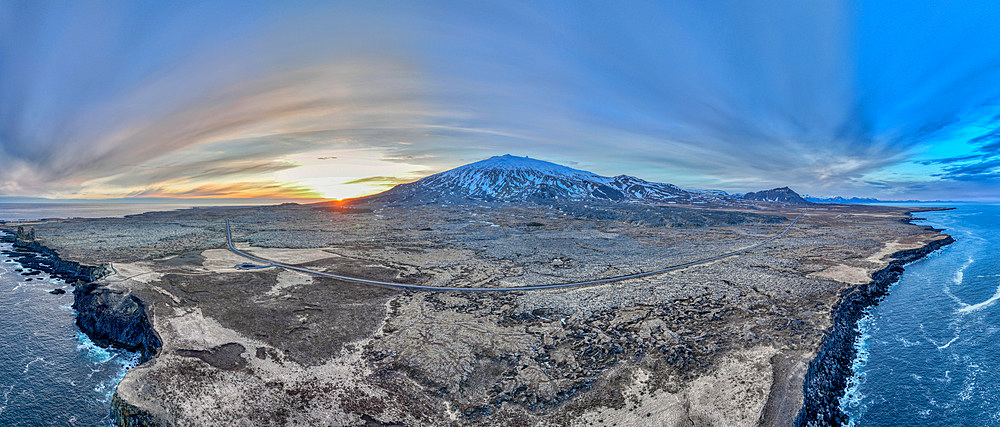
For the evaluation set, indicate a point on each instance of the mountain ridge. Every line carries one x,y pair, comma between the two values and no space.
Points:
508,178
780,194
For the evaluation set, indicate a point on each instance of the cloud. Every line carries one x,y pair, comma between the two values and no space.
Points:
878,184
385,181
264,190
983,170
205,98
951,159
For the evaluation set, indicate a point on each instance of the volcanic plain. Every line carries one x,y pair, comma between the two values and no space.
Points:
726,343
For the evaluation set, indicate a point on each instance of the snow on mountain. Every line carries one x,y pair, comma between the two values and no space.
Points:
513,178
783,194
510,178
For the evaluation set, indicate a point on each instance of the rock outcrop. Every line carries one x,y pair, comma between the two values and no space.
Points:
125,414
113,317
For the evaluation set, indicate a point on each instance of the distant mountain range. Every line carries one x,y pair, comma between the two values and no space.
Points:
510,178
856,200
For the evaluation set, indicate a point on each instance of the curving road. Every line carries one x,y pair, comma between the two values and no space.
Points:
269,263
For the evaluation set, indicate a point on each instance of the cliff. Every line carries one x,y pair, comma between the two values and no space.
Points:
114,318
32,254
829,371
110,317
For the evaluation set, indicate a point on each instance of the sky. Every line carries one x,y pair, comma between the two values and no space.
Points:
299,99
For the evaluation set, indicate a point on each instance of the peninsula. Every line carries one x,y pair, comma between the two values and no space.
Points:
437,302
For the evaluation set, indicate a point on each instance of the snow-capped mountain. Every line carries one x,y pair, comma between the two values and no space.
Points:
510,178
783,194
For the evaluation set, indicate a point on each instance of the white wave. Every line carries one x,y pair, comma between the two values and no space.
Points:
967,308
960,273
100,354
942,347
853,398
969,386
6,398
37,359
107,388
957,279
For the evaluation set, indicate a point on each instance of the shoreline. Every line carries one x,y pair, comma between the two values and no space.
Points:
832,367
110,318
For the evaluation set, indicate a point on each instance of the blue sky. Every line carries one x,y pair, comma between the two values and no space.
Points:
321,99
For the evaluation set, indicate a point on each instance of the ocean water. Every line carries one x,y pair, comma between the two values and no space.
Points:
35,211
929,354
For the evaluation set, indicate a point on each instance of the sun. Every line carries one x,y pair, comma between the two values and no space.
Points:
345,174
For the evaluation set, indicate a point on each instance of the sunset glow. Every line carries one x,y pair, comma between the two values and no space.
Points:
244,100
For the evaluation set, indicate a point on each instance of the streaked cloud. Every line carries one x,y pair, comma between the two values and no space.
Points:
385,181
337,100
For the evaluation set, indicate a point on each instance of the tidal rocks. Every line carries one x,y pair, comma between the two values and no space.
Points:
33,256
57,291
827,377
114,317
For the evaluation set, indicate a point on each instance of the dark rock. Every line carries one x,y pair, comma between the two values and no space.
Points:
57,291
125,414
115,318
34,256
24,235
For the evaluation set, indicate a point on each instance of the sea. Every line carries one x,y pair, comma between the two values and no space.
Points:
36,211
929,353
51,374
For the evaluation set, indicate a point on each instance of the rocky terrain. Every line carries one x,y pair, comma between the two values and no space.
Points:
725,343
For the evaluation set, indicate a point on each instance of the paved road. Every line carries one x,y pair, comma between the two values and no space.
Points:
229,241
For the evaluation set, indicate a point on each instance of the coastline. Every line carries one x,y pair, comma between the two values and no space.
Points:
829,371
110,318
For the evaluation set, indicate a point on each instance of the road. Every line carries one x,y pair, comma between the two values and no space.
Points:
404,286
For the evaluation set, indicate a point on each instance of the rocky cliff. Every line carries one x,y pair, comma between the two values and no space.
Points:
828,373
114,318
31,254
